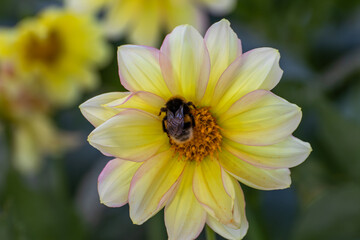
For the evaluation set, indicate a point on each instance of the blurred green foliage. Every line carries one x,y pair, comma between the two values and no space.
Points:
320,46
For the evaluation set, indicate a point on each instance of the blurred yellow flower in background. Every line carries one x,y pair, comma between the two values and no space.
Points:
57,52
241,131
144,20
34,135
45,62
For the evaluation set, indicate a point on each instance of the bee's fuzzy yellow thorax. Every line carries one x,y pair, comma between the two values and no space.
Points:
206,138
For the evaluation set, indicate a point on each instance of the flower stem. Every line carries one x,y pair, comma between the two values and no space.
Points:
210,234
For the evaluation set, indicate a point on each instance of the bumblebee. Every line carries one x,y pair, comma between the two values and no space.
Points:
178,122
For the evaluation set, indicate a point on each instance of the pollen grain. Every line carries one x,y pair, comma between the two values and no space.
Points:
206,137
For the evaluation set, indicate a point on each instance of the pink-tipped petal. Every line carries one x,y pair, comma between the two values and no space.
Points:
139,70
260,118
256,177
239,210
151,184
114,182
256,69
185,63
224,47
132,135
94,110
208,187
285,154
144,101
184,216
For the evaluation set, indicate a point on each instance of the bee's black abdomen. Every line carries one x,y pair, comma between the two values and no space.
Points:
187,125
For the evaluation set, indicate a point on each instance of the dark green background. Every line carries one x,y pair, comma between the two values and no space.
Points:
319,42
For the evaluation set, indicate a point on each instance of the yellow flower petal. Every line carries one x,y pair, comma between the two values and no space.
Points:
132,135
256,69
220,7
62,90
260,118
146,26
145,101
119,16
95,111
239,209
224,47
285,154
27,153
183,12
85,5
139,70
260,178
34,137
209,190
149,17
184,216
89,78
185,63
152,185
114,182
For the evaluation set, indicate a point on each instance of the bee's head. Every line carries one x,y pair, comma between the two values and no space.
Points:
174,104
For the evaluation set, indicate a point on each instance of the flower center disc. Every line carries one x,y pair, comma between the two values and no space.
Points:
206,137
45,50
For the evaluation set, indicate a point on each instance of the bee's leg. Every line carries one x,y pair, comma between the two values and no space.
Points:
191,104
163,124
163,109
192,119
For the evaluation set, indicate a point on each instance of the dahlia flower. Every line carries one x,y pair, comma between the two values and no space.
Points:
57,51
241,132
144,20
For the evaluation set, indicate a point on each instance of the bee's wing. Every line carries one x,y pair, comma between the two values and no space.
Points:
175,122
170,116
179,114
